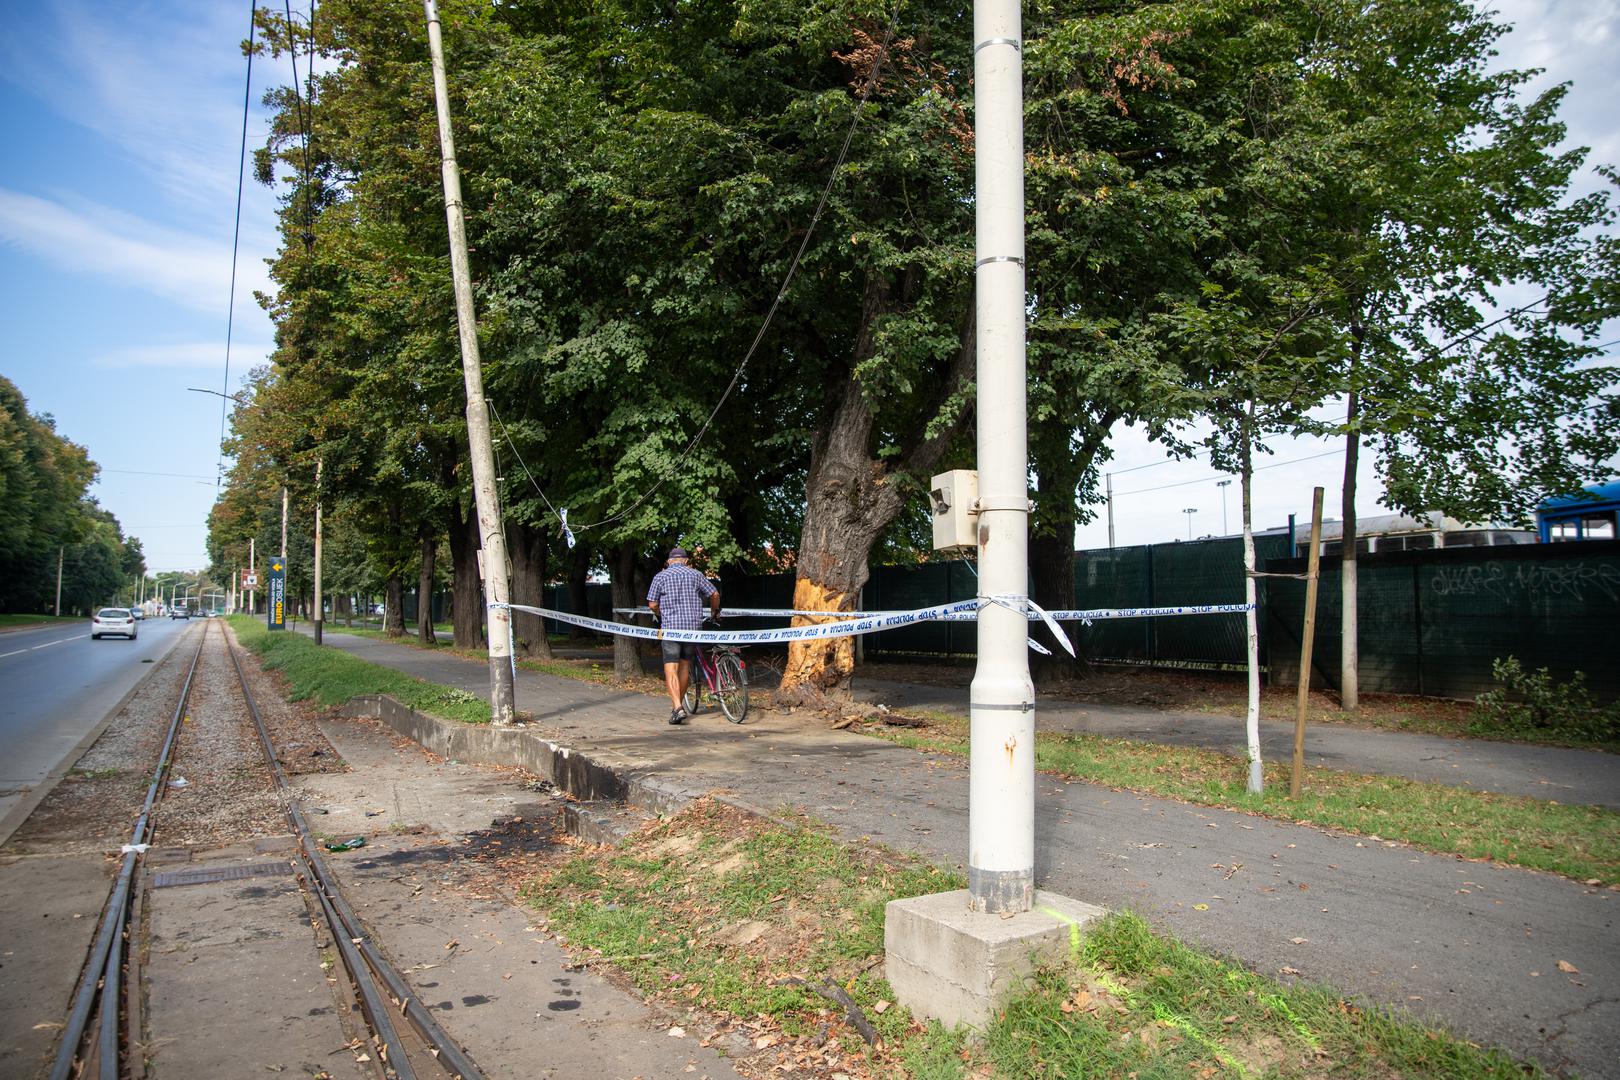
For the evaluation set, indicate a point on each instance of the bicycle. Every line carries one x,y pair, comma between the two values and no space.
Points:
721,673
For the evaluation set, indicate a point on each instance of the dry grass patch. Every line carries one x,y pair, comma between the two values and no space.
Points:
744,929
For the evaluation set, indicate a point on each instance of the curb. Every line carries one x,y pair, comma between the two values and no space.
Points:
585,777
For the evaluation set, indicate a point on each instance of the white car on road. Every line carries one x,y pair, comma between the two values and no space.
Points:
113,620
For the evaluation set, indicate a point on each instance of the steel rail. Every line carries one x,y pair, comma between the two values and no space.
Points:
360,955
106,961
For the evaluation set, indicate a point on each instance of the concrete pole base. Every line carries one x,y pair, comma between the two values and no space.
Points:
948,963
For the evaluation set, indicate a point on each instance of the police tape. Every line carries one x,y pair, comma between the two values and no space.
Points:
870,624
853,623
972,613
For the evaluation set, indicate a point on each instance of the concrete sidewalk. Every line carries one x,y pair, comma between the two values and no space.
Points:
1472,945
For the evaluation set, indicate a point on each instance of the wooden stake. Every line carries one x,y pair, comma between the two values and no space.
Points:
1313,561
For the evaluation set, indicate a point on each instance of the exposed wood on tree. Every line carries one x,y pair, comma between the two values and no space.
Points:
851,496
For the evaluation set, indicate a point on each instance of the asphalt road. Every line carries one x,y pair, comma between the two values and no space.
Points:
56,687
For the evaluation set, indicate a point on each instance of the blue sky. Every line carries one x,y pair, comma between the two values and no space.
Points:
120,127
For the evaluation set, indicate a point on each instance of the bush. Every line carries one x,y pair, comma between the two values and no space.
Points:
1534,706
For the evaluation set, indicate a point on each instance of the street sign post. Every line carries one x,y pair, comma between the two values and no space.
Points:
250,579
276,596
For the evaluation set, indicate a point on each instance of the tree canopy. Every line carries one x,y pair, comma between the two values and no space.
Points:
723,265
50,519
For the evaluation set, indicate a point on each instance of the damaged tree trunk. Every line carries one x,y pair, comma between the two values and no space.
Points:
528,547
851,496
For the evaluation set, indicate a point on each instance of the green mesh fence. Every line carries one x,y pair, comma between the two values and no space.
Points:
895,588
1432,622
1168,575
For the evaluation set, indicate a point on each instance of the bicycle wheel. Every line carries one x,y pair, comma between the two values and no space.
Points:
733,689
693,700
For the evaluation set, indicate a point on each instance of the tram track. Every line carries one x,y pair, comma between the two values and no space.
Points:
104,1037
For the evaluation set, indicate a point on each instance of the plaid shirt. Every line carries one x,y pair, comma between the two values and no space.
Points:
679,592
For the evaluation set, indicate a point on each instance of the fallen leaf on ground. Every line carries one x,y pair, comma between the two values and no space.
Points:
676,1033
1568,968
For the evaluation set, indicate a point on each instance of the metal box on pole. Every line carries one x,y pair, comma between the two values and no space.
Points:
955,499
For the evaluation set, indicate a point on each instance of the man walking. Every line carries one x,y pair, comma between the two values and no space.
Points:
676,597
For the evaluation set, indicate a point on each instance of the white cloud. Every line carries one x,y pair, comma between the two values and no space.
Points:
190,354
90,238
1572,41
112,70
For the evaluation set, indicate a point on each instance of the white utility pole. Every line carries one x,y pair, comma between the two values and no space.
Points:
60,553
283,525
319,616
253,565
1108,478
491,528
1001,783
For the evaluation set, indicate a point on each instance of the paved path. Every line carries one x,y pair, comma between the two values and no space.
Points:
1471,945
1589,777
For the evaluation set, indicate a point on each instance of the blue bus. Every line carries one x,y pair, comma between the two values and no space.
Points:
1571,517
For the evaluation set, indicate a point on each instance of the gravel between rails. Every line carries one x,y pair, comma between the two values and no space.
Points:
228,796
220,789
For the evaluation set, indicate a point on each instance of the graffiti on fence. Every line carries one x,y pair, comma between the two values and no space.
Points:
1573,580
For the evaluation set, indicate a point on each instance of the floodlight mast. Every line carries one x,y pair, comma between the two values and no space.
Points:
1001,784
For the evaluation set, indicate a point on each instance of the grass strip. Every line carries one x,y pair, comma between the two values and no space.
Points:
715,910
9,619
591,671
1580,842
332,677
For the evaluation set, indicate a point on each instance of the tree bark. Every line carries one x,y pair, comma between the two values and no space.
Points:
424,586
850,499
393,585
1251,618
626,657
1051,547
579,571
1349,652
466,592
529,549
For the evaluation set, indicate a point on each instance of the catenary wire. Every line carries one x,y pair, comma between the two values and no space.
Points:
1205,479
770,314
236,240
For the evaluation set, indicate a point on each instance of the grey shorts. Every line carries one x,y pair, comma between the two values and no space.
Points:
676,651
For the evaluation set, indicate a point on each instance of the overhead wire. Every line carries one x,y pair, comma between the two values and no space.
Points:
236,241
770,314
1205,479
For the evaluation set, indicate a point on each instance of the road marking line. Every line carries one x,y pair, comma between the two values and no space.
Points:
17,652
48,644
